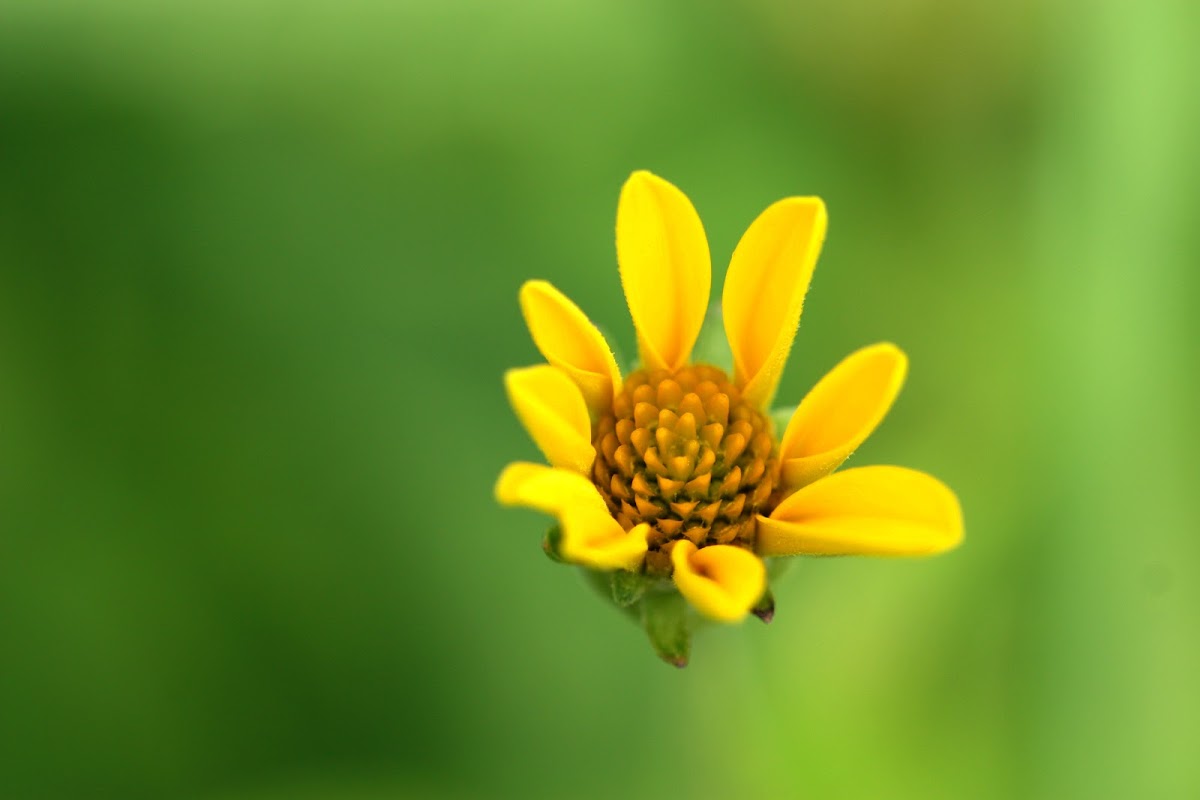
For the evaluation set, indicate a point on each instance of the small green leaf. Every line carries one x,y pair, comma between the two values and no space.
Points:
665,618
551,543
601,582
627,587
765,608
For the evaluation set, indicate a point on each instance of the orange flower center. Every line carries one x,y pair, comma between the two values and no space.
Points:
683,452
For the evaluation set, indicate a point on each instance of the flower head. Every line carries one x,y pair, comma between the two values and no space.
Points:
673,483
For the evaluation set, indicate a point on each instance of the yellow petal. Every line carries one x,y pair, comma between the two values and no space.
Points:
840,412
571,342
881,511
590,536
721,581
665,268
551,408
764,291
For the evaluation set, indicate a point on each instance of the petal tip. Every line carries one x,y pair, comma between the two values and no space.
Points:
810,203
899,359
958,530
533,287
807,213
894,351
507,489
512,377
642,176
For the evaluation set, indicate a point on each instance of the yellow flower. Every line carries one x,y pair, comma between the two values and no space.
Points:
674,476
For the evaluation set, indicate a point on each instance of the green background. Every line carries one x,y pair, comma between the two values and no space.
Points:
258,275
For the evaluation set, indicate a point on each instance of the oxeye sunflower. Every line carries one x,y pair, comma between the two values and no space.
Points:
671,485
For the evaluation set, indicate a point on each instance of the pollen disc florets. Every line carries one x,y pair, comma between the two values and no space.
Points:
683,452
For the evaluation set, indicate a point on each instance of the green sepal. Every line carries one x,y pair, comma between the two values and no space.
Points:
601,583
551,544
764,609
627,587
711,345
665,618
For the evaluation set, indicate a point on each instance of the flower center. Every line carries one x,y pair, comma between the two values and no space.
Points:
683,452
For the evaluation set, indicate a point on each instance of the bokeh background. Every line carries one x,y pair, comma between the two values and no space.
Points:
258,274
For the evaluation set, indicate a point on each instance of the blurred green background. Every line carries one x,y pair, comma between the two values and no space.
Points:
258,275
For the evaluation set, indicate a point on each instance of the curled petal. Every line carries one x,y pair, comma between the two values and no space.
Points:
590,536
840,412
721,581
882,511
764,291
571,342
552,409
665,268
